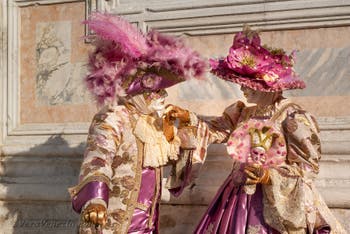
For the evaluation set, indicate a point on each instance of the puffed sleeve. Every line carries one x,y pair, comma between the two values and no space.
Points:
217,129
207,131
289,201
304,148
103,139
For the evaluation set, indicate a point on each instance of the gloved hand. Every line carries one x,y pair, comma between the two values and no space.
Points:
168,127
95,214
256,174
175,112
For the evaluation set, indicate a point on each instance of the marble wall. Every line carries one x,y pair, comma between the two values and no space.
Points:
321,60
53,56
46,110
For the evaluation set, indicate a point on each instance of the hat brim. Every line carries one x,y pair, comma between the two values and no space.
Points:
258,84
165,80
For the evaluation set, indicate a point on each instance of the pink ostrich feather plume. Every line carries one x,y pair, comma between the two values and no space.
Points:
121,50
172,54
108,67
114,28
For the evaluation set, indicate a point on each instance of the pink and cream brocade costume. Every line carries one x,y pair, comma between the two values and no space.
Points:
114,156
126,145
289,202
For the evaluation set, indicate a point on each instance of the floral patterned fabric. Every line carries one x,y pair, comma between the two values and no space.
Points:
291,203
115,156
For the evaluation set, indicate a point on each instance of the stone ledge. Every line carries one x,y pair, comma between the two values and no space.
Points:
58,218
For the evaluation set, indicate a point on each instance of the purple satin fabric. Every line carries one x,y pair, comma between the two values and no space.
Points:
142,232
94,189
323,230
139,221
232,211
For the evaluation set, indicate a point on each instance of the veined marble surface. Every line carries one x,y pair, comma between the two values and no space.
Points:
58,81
326,72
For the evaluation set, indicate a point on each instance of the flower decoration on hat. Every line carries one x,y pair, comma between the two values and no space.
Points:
255,66
128,62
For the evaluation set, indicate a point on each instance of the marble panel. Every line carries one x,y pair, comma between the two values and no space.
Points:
52,65
58,81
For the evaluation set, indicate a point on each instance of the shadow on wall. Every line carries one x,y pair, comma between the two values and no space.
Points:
33,188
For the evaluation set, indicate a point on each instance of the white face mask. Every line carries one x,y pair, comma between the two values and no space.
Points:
156,102
157,106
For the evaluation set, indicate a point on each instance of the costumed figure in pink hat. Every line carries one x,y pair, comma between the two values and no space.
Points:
129,139
274,143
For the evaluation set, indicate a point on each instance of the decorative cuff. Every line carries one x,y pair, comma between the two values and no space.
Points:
94,201
92,190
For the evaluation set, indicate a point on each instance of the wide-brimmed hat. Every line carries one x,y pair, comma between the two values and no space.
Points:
257,67
127,62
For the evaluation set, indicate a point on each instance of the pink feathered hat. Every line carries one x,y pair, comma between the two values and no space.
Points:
257,67
127,62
